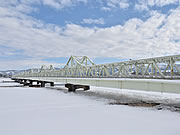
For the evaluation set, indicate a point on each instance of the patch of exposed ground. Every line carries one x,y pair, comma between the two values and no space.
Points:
130,100
139,104
158,106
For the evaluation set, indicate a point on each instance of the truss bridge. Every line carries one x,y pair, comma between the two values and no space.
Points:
82,70
81,66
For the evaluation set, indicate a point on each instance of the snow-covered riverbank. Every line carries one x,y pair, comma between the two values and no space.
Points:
43,111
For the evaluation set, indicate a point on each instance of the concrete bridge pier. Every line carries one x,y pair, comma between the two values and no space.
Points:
22,81
42,83
52,84
26,82
73,87
29,82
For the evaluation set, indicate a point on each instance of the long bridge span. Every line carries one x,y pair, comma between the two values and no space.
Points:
153,74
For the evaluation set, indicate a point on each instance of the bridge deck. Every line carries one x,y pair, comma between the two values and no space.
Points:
170,86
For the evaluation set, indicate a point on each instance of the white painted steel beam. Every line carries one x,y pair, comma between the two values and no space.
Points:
167,67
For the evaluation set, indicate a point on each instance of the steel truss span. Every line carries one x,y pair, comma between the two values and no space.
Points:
167,67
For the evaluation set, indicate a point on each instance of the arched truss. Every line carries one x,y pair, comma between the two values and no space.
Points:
75,61
45,68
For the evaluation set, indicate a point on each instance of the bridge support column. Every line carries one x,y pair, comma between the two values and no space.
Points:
51,84
70,87
42,84
21,81
30,82
26,83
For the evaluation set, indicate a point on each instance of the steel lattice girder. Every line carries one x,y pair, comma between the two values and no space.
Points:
82,66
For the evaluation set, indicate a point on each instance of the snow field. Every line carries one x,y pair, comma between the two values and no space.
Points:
43,111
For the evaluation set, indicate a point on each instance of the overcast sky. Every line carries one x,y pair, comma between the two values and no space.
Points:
36,32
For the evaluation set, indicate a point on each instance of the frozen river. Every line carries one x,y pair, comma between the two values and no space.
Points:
43,111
